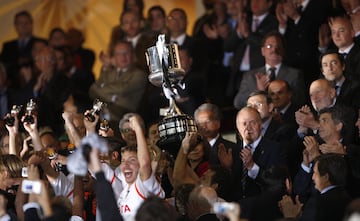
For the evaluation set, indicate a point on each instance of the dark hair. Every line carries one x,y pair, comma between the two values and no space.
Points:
139,3
274,177
131,148
23,13
182,11
339,114
182,194
262,93
115,144
156,8
335,166
128,12
54,30
331,51
153,208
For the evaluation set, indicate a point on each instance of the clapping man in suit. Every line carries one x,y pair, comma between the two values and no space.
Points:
208,120
330,201
333,67
246,41
342,35
281,94
259,78
257,152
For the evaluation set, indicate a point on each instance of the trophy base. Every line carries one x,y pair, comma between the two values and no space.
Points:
172,131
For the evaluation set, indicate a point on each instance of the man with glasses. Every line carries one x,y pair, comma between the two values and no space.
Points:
259,78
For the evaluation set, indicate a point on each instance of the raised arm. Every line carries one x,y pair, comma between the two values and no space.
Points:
182,172
32,129
142,149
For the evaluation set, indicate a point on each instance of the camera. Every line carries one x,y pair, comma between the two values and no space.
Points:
97,107
222,207
30,111
31,186
52,156
10,120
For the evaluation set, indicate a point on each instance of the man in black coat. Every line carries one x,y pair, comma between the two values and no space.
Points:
18,51
257,153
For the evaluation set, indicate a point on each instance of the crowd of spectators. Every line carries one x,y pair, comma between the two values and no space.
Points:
288,71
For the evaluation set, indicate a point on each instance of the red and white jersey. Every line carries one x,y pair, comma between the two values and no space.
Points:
134,195
113,177
64,185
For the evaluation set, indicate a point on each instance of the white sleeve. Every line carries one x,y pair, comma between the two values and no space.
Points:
149,187
64,186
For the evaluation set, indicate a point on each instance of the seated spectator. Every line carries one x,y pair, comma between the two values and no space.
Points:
259,78
57,38
120,86
84,58
331,199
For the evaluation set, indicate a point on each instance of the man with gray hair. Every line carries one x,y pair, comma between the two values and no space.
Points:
208,120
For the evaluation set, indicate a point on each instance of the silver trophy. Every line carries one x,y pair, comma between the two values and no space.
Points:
10,120
166,72
97,107
30,111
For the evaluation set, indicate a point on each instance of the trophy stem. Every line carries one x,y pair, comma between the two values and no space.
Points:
173,108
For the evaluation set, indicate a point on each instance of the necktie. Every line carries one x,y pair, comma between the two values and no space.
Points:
244,175
255,24
337,89
343,55
272,73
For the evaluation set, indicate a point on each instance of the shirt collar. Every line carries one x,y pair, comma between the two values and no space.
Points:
134,40
347,50
260,18
180,39
285,108
267,68
253,144
212,141
326,189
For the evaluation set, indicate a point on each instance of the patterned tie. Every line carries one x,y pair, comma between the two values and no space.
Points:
244,175
272,73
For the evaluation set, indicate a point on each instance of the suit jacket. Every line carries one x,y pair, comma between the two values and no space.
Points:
214,159
289,115
262,207
142,45
279,131
352,64
291,75
12,56
121,91
238,45
302,39
268,153
329,206
349,94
